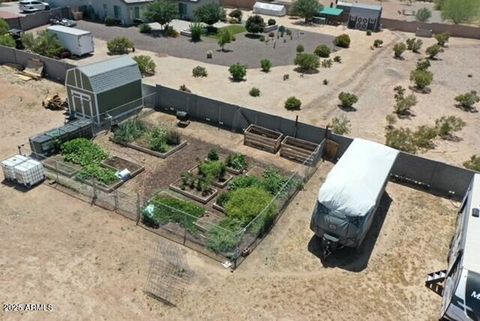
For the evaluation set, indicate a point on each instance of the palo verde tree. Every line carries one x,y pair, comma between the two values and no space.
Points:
306,9
423,14
460,11
162,11
224,37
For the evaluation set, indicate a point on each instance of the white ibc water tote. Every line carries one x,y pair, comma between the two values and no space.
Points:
8,166
29,173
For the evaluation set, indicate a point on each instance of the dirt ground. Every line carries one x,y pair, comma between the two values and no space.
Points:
89,263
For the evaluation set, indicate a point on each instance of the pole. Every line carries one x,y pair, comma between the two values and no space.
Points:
296,125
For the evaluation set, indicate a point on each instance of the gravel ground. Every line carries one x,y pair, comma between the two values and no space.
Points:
238,51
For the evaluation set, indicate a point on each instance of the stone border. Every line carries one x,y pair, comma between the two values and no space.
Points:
151,152
203,200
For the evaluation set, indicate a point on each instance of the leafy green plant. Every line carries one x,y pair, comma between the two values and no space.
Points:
401,139
224,37
340,125
173,137
7,40
414,44
145,28
157,140
238,71
45,44
307,62
223,199
423,14
442,39
162,11
199,71
473,163
433,51
213,169
422,78
145,64
213,155
468,100
196,30
273,181
103,175
163,209
4,26
224,238
446,126
306,9
244,182
423,137
423,64
347,100
293,103
128,131
399,49
237,162
377,43
119,46
322,51
337,59
254,92
300,49
266,65
246,203
342,41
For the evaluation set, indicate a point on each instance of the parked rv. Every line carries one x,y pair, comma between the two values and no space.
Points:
78,42
461,292
28,6
348,199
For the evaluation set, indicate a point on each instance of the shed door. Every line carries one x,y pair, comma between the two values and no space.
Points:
82,104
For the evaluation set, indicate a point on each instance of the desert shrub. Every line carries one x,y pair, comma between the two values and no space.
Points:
129,131
401,139
262,38
109,21
325,82
237,161
307,62
340,125
423,137
244,182
271,22
369,32
468,100
391,120
209,54
433,51
199,71
281,29
322,51
236,14
171,32
300,49
293,103
255,24
213,169
399,49
184,88
403,103
246,203
347,100
145,28
238,71
254,92
473,163
266,65
224,37
327,63
213,155
145,64
173,137
377,43
446,126
337,59
414,44
157,140
342,41
225,237
45,44
119,46
423,14
164,209
7,41
421,78
423,64
196,30
442,39
102,174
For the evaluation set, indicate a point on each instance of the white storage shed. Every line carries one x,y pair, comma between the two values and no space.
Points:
269,9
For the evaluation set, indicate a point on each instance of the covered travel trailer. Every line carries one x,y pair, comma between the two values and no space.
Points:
461,293
348,199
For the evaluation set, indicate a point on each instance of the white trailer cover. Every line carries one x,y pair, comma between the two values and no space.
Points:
269,9
353,185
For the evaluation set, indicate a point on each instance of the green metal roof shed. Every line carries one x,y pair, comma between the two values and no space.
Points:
106,90
332,12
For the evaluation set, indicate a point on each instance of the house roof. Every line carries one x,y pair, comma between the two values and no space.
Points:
136,1
367,6
331,11
111,73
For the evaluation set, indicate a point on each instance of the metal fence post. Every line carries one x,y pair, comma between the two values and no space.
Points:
138,208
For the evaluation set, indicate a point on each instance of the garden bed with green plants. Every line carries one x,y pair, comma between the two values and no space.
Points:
158,141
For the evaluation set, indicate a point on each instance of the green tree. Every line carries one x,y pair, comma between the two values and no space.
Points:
210,13
7,40
266,65
238,71
347,99
145,64
255,24
224,37
44,44
4,26
460,11
162,11
119,46
423,15
421,78
307,62
399,49
306,9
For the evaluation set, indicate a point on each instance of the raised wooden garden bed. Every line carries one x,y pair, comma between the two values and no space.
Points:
220,184
193,193
57,164
218,207
298,149
118,164
152,152
262,138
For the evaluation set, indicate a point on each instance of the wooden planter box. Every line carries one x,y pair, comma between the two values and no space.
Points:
262,138
152,152
133,168
298,149
218,207
204,200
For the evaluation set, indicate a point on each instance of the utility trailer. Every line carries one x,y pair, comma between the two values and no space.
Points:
461,281
348,199
78,42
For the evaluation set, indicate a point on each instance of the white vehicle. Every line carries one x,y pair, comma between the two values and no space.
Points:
32,6
461,293
78,42
348,199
